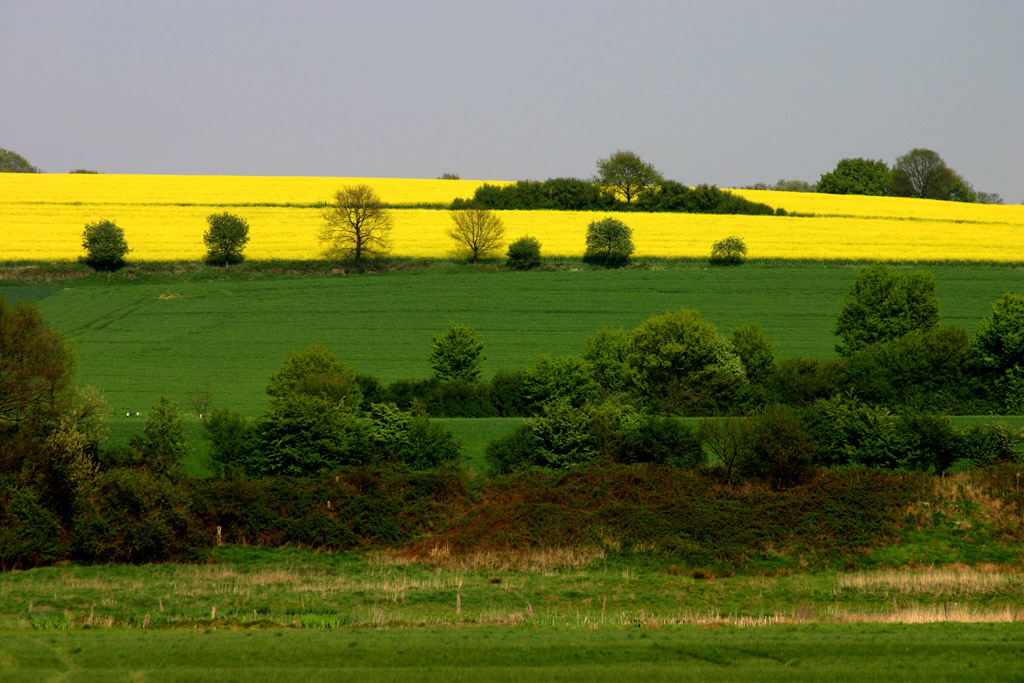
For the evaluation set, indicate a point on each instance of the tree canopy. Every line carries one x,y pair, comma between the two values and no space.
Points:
922,173
12,162
609,243
457,353
105,245
627,175
883,305
477,231
856,176
225,238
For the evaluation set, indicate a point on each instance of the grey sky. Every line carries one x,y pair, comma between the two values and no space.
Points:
725,92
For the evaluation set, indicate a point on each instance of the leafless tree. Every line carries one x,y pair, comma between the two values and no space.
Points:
478,231
200,400
357,225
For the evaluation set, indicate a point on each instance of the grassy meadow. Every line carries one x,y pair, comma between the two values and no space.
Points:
306,616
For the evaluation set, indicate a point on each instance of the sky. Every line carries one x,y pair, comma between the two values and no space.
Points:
725,92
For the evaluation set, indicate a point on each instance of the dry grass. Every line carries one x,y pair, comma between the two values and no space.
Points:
959,581
532,560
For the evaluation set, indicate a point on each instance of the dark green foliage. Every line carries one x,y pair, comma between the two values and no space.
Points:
922,173
163,445
457,353
566,379
609,243
992,442
732,251
512,451
316,372
410,440
302,435
884,304
924,370
782,452
680,361
140,516
755,350
856,176
12,162
35,383
30,535
851,432
225,238
508,393
729,439
802,381
105,246
676,197
524,253
607,354
930,443
231,440
999,340
557,194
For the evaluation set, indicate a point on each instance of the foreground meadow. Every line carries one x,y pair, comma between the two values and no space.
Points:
164,219
298,615
939,652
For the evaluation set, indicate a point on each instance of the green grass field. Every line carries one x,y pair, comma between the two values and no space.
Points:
941,652
286,614
172,337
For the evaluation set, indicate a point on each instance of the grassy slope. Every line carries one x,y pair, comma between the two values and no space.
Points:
140,341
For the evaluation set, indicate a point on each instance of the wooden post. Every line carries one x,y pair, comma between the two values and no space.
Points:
145,622
458,605
220,541
213,612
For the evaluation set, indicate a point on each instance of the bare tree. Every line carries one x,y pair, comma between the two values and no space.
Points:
357,225
200,400
479,231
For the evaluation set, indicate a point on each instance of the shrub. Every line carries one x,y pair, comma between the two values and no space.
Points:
105,246
565,378
731,251
163,444
524,253
851,432
511,451
231,440
607,354
783,451
755,350
301,435
30,535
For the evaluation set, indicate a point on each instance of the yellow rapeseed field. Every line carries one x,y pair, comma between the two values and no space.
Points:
42,217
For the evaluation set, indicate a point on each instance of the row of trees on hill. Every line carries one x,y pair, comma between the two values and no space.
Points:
623,182
920,173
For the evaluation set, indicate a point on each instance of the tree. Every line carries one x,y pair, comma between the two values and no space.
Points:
524,253
35,382
883,305
756,351
999,341
105,246
627,175
922,173
856,176
226,237
12,162
456,353
731,251
163,444
478,231
679,353
357,225
609,243
316,372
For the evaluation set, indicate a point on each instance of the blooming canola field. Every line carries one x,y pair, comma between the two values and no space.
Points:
164,217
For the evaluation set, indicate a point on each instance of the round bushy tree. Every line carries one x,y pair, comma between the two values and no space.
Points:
105,245
524,253
883,305
731,251
457,353
225,238
609,243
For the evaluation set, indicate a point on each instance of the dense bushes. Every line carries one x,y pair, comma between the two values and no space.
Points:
571,194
